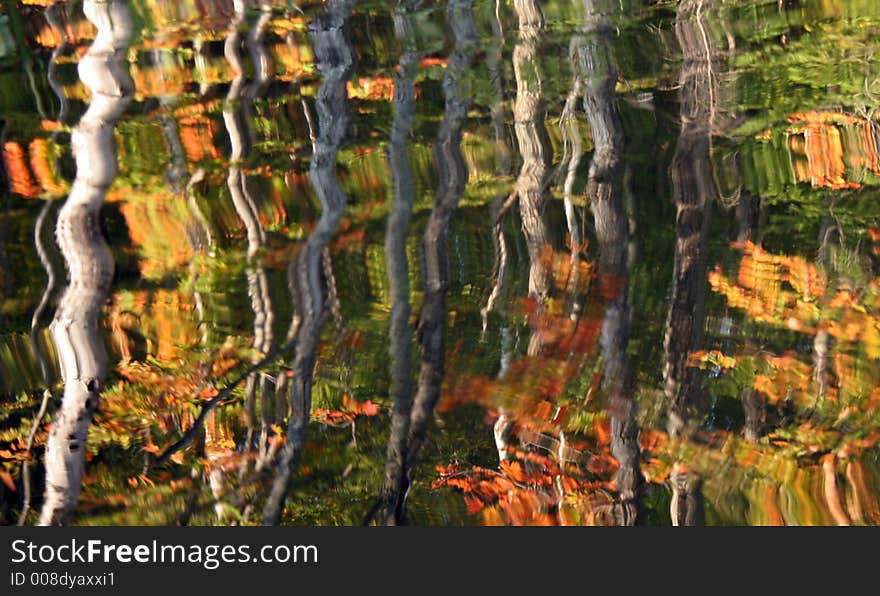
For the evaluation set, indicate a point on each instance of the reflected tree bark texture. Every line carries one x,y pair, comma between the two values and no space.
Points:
390,498
686,508
604,193
530,187
89,261
335,59
453,175
693,192
534,146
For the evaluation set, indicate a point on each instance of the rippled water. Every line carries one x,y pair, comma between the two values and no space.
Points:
566,262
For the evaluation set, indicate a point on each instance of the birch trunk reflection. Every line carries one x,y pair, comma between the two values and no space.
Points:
534,145
393,486
531,183
335,59
693,192
604,193
235,117
89,261
453,175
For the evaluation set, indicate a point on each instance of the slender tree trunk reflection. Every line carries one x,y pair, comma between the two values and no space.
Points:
47,252
503,163
335,59
453,176
235,119
42,242
235,114
394,485
500,207
573,148
89,262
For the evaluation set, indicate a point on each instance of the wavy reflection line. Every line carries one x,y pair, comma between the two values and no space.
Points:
335,59
82,355
235,122
500,207
257,275
573,148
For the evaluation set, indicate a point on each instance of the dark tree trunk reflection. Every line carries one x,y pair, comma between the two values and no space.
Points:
390,500
408,435
453,174
693,192
89,262
686,508
335,60
604,192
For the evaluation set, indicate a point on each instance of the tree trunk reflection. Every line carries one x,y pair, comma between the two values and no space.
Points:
394,484
604,192
335,59
693,192
453,174
89,262
534,145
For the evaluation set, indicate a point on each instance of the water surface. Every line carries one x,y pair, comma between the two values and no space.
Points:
567,262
